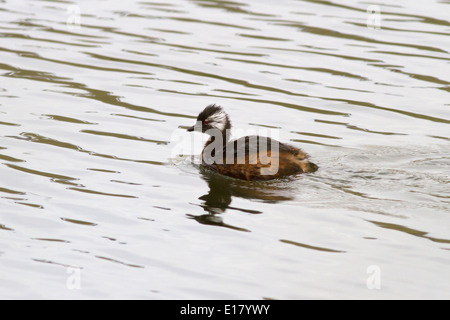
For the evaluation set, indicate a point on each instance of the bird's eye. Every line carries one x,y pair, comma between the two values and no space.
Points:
206,122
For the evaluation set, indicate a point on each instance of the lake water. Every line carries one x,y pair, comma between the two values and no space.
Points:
101,196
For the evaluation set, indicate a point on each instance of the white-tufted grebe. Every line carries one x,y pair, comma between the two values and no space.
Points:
249,157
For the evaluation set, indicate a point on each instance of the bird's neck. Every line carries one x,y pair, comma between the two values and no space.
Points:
221,138
216,142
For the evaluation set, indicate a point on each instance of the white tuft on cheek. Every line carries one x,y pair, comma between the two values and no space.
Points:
218,120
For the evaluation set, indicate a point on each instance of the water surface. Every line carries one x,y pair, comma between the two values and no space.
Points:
100,181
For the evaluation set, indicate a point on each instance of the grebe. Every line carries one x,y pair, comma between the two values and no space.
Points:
249,157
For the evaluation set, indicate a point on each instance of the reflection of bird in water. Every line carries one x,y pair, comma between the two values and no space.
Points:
222,189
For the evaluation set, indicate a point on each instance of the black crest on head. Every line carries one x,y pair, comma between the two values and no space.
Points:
212,117
209,111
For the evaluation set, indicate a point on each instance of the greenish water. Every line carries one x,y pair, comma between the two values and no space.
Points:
101,194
